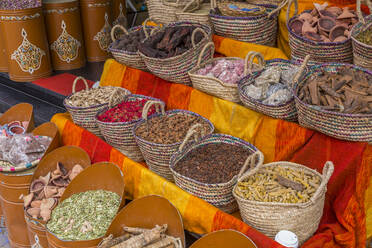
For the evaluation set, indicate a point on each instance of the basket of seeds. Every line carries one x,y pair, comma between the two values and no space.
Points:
160,135
269,91
87,207
361,36
84,105
283,196
116,122
209,168
336,99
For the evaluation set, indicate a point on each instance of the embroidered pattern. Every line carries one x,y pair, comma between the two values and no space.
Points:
28,56
98,4
19,18
103,37
61,11
37,244
121,19
66,46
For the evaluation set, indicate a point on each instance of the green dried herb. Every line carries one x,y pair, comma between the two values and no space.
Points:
365,36
84,216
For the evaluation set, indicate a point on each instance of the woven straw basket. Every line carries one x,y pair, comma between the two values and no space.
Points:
260,29
362,52
218,194
286,111
352,127
85,116
132,59
321,52
120,134
212,85
175,69
195,11
272,217
164,11
157,156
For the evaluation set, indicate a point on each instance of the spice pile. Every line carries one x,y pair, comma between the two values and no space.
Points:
46,191
270,87
366,36
135,237
325,24
277,184
226,70
84,216
126,111
170,42
129,42
169,129
346,91
91,97
19,4
213,163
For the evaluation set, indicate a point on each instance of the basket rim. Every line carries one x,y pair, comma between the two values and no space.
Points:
320,67
179,155
271,204
354,33
206,28
138,96
248,17
303,39
89,107
247,80
173,111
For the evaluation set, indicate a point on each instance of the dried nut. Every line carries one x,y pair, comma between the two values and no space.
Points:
34,212
75,171
27,199
45,214
50,191
48,203
37,186
36,204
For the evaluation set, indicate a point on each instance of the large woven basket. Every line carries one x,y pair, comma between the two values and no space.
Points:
353,127
120,134
164,11
362,52
175,69
260,29
195,11
321,52
271,217
286,111
85,116
212,85
157,156
218,194
132,59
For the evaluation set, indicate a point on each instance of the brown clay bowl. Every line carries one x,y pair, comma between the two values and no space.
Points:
19,112
223,239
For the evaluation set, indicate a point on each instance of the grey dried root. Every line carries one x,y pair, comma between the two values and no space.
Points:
143,239
111,241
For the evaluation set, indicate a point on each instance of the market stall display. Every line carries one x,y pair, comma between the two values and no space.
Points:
52,175
172,51
84,105
223,239
65,33
283,196
195,11
210,167
116,123
86,209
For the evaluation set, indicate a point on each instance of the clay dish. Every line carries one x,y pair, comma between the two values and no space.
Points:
337,31
305,16
346,13
336,11
324,13
326,23
313,36
223,239
296,26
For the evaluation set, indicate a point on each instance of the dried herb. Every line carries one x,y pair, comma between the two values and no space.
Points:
366,36
19,4
84,216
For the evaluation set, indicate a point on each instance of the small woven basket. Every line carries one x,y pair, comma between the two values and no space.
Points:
120,134
352,127
272,217
218,194
321,52
212,85
261,29
175,69
195,11
164,11
132,59
85,116
362,52
157,156
286,111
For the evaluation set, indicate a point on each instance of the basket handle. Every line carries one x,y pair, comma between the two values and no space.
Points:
213,4
192,131
359,10
117,26
248,62
300,71
289,8
166,3
75,82
280,6
112,97
194,33
189,5
148,105
250,163
326,175
209,44
145,29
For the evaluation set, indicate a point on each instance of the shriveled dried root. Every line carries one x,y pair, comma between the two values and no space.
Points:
144,238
